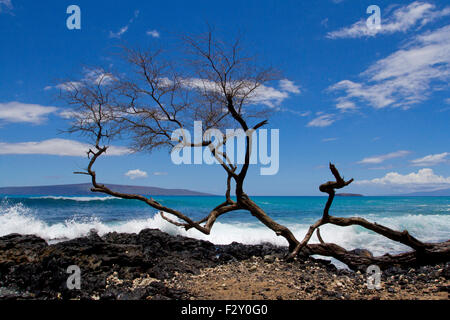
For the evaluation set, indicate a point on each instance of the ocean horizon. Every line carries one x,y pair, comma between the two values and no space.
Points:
59,218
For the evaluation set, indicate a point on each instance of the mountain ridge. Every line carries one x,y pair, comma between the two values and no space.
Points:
435,193
84,189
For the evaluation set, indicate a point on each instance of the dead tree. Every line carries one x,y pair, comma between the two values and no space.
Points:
219,86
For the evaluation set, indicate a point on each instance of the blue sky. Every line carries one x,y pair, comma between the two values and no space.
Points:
374,102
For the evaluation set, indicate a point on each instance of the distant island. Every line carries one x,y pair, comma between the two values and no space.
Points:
84,189
434,193
349,195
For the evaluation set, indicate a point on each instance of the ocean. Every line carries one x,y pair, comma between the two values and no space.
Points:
60,218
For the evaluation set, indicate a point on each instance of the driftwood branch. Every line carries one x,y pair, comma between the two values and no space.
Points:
361,259
319,236
423,252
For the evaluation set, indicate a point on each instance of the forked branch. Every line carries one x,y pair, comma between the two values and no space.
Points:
329,249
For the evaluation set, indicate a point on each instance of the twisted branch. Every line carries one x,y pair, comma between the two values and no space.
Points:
332,249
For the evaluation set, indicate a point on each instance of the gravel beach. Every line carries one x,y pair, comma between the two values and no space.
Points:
154,265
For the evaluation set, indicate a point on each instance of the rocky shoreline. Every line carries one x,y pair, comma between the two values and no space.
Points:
155,265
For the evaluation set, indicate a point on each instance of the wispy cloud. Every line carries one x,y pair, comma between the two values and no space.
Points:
269,96
70,114
384,157
91,76
329,139
5,5
153,33
431,160
447,101
124,29
289,86
403,78
56,147
136,174
345,105
160,173
323,120
400,20
424,178
17,112
387,167
264,94
297,113
119,33
66,86
272,96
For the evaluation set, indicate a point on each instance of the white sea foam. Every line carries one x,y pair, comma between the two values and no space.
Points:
19,219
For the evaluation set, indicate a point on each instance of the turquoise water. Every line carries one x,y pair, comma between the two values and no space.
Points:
59,218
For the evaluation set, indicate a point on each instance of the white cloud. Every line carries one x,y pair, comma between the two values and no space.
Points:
329,139
98,76
17,112
400,20
424,178
69,114
376,95
57,147
345,105
91,76
67,86
153,33
430,160
160,173
298,113
406,76
268,95
5,3
136,174
263,94
124,29
289,86
119,33
322,120
384,157
381,167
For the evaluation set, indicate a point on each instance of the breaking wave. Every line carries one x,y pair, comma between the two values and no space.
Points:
17,218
